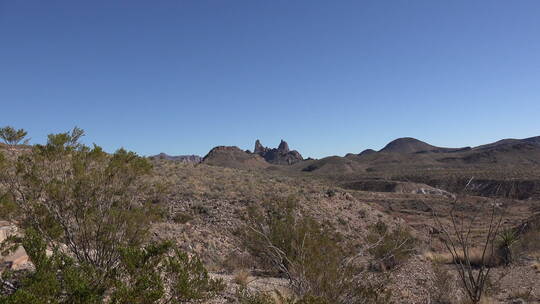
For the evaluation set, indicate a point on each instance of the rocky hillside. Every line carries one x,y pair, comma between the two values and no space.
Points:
280,156
506,167
509,142
205,210
209,203
261,157
234,157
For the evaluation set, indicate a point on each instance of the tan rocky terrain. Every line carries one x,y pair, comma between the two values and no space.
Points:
209,202
204,209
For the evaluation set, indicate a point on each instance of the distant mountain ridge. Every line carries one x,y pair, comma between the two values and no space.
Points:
413,145
261,157
412,155
195,159
511,141
282,155
406,160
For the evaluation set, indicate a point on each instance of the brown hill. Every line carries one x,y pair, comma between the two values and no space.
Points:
509,168
367,152
413,145
407,145
233,157
510,141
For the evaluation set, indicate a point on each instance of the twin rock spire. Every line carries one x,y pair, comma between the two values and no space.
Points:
280,156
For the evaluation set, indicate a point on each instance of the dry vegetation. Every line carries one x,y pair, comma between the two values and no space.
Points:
214,203
210,182
276,238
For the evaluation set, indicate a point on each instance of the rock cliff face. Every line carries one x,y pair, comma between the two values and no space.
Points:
259,148
280,156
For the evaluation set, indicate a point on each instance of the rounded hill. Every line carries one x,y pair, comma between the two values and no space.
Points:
234,157
407,145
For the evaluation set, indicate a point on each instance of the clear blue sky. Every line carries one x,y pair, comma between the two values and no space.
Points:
330,77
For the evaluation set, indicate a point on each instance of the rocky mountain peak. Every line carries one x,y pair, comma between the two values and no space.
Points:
283,147
280,156
259,148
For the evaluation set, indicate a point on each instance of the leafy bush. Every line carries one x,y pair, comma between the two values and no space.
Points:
91,209
152,274
56,279
8,208
82,197
188,279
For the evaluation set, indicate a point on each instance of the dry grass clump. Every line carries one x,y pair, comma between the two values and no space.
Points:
525,294
390,248
475,257
182,218
247,296
437,258
487,300
442,288
241,277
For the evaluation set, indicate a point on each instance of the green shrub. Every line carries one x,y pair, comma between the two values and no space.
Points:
56,279
155,273
505,243
8,208
189,280
312,256
390,248
92,210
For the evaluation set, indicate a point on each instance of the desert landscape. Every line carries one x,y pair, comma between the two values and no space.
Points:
373,227
269,152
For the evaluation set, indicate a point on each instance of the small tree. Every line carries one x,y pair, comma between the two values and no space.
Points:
473,270
81,197
13,137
